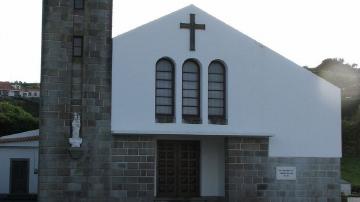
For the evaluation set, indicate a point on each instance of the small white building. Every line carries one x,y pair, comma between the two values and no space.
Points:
5,88
345,187
19,163
15,90
32,92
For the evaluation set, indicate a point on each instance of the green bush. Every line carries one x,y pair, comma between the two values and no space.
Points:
350,171
351,138
14,119
30,105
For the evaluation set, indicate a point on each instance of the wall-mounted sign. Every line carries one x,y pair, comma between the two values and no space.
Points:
286,173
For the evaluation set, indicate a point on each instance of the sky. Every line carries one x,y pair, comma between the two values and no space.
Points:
304,31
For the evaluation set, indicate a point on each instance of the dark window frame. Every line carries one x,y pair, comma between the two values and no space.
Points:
76,5
218,119
163,117
187,118
81,46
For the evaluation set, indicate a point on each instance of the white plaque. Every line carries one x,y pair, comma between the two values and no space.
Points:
286,173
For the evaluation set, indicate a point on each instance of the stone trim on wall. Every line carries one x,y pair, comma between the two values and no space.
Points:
133,168
250,174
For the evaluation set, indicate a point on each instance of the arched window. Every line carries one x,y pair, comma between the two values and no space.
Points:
191,92
217,93
165,91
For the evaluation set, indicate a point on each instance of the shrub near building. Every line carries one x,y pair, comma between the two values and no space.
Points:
14,119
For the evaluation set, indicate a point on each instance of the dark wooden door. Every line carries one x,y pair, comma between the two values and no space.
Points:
178,168
19,176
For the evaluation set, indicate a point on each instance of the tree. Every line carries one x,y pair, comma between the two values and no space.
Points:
346,77
14,119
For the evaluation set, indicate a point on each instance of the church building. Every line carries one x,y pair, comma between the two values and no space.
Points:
183,108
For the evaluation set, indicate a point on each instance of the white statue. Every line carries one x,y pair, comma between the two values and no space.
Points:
75,141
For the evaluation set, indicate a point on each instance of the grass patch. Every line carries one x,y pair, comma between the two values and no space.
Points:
350,170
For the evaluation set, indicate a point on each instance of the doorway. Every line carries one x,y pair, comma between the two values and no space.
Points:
19,176
178,168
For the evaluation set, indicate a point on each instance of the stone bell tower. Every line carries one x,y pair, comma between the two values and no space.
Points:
75,101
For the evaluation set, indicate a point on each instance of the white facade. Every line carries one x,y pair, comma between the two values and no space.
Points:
267,94
14,93
19,150
31,93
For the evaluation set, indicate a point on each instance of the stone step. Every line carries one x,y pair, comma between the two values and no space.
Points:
18,197
194,199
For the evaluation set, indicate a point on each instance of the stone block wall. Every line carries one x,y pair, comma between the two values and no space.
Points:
81,85
133,168
250,175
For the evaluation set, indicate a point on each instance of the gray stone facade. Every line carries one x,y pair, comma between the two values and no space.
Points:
250,174
133,168
69,85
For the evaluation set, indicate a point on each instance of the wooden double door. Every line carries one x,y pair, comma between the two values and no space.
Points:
178,168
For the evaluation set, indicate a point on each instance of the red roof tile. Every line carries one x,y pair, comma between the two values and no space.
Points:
4,85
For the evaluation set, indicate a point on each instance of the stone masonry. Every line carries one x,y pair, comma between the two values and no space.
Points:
250,174
133,168
69,85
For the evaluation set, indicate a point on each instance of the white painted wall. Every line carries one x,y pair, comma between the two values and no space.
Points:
267,94
212,163
31,93
212,167
345,189
18,150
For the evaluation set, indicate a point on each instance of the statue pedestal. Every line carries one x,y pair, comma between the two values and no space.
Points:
75,142
76,152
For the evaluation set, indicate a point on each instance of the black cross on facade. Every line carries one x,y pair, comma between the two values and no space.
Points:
192,26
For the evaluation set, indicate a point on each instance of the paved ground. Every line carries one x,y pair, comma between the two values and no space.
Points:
4,200
18,198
